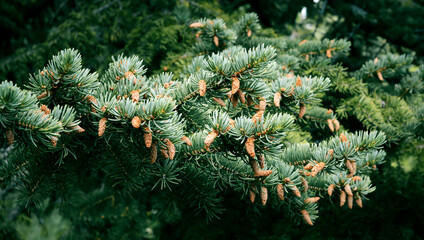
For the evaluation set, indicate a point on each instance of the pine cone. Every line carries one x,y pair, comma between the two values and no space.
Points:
216,40
196,25
261,161
10,136
277,99
296,191
330,125
331,189
358,201
342,198
220,101
262,105
298,82
202,87
305,185
264,195
336,124
280,191
317,168
102,126
257,117
350,201
249,33
210,138
153,153
252,195
163,151
306,217
136,122
302,110
171,148
234,100
330,152
148,137
45,109
311,200
78,129
135,96
308,166
348,190
187,140
241,96
328,53
250,147
235,85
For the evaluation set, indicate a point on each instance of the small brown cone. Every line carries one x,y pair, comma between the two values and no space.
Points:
375,60
45,109
296,191
348,190
380,76
196,25
78,129
358,201
336,124
308,166
329,111
164,152
261,158
220,101
317,168
135,96
42,95
235,85
241,96
136,122
262,105
350,201
353,167
257,117
102,126
302,42
306,217
298,82
234,100
216,40
54,140
280,191
187,140
342,198
210,138
331,189
356,178
330,153
343,138
250,147
148,138
249,33
249,100
153,153
302,110
202,87
328,53
330,125
349,166
277,99
374,167
264,195
10,136
252,196
171,148
311,200
305,185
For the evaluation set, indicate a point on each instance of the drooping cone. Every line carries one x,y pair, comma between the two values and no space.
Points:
42,95
241,96
235,85
216,40
136,122
261,158
331,189
135,96
210,138
296,191
298,82
280,191
250,147
171,148
311,200
356,178
262,105
153,153
187,140
302,110
102,126
305,185
249,100
196,25
220,101
330,125
147,136
336,124
234,100
164,152
264,195
257,117
277,99
353,167
358,201
330,153
343,138
10,136
249,33
54,140
342,198
328,53
317,168
375,60
258,173
306,217
348,190
380,76
350,201
202,87
252,195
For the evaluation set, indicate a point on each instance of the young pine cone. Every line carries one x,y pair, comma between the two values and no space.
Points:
250,147
210,138
350,201
10,136
171,148
330,125
235,85
277,99
311,200
202,87
153,153
331,189
302,110
136,122
148,138
280,191
342,198
187,140
102,126
264,195
306,217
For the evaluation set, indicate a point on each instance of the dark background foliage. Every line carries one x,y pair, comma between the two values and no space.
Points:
157,32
